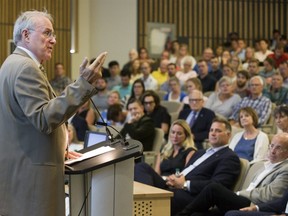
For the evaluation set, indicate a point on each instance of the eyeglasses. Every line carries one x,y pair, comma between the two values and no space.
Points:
47,33
194,100
276,148
149,102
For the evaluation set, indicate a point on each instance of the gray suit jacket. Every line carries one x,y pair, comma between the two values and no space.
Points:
271,187
33,137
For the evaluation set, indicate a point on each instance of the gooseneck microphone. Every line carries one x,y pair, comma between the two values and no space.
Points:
103,123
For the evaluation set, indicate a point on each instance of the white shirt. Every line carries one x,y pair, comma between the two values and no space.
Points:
150,83
30,54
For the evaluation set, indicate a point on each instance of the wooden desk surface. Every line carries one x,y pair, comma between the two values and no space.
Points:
142,190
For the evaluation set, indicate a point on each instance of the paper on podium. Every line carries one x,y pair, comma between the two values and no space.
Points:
90,154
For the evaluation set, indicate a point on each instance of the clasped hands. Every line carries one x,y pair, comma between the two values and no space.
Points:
93,71
175,181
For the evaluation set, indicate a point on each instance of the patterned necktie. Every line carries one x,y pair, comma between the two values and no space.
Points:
192,121
42,69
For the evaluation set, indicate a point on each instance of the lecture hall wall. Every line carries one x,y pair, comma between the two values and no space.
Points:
119,25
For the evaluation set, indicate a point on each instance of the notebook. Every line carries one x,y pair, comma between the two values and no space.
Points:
93,138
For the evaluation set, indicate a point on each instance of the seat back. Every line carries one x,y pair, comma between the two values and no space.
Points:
251,174
172,106
158,139
161,94
243,172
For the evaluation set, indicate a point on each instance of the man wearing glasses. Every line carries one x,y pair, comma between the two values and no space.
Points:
198,117
269,183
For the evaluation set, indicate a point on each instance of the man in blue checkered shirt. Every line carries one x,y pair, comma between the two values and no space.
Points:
256,100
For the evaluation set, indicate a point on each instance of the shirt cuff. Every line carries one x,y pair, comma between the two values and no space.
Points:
257,207
188,185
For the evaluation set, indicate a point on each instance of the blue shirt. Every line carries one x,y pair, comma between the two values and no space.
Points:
245,148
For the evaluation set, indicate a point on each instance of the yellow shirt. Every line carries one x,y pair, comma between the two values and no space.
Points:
160,77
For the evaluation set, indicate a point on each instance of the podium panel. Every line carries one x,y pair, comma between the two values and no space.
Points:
103,185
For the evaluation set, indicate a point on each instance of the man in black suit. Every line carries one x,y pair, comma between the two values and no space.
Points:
218,164
198,117
277,206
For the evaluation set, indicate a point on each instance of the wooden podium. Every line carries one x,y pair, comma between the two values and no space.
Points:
103,185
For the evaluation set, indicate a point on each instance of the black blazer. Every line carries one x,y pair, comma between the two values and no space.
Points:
222,167
201,127
142,130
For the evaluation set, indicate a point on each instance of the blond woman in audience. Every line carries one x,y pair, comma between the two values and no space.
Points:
251,143
249,54
73,143
223,101
192,84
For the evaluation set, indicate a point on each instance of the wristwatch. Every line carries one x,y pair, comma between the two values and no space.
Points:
185,186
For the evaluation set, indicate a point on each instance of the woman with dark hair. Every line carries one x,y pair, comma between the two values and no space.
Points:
251,143
154,110
281,117
137,90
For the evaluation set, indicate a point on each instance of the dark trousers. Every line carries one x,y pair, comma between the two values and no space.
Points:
252,213
215,195
145,174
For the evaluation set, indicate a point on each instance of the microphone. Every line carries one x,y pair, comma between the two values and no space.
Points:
103,123
110,135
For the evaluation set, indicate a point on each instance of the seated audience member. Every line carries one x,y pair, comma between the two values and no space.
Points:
113,98
230,72
73,142
115,115
283,69
125,87
274,41
281,117
273,207
138,88
187,71
165,54
114,78
268,71
161,75
139,126
135,71
236,64
175,93
144,56
173,157
174,51
171,73
133,54
198,117
253,67
216,71
100,99
242,84
217,164
155,111
261,104
279,56
269,183
223,101
183,52
206,56
251,143
250,53
149,81
238,49
60,80
275,91
208,81
264,52
84,117
225,58
192,84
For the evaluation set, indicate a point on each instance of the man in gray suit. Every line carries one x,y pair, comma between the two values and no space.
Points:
33,135
270,182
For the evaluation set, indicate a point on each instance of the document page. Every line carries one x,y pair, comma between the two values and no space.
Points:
90,154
